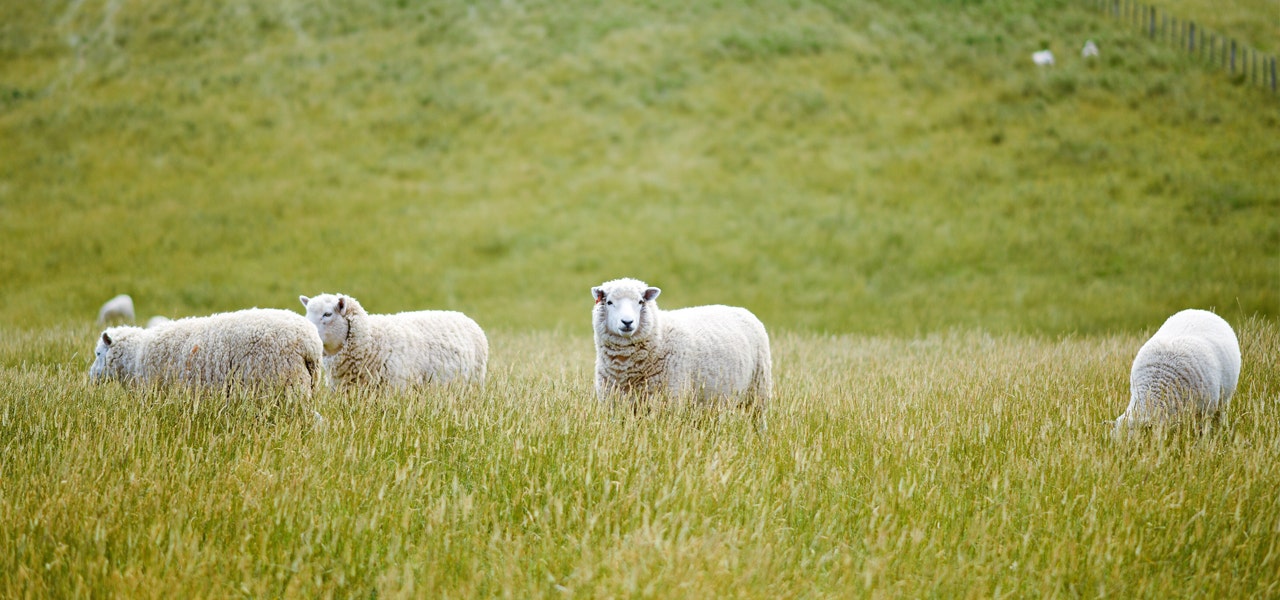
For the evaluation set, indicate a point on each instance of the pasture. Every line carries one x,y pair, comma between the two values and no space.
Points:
957,255
955,464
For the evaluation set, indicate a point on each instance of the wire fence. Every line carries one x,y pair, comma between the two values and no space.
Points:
1218,50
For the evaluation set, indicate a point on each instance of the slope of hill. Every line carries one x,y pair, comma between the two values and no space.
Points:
875,167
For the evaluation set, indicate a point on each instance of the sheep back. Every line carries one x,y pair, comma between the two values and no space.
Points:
1190,366
255,349
432,346
716,351
410,349
117,309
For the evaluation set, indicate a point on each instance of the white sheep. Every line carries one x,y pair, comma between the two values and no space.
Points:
157,321
396,351
1090,50
260,350
116,310
706,352
1043,58
1188,368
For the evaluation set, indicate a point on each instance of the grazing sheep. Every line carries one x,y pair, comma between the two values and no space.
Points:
710,352
396,351
1043,58
262,350
1090,50
116,310
1188,368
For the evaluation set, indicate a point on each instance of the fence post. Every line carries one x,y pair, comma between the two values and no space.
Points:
1233,56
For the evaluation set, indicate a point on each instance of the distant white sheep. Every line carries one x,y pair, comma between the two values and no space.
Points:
396,351
261,350
1043,58
157,321
1090,50
707,352
1188,368
116,310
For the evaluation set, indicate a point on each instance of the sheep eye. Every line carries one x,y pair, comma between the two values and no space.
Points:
328,314
610,303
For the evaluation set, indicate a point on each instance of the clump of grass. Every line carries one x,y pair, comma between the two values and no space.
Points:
957,463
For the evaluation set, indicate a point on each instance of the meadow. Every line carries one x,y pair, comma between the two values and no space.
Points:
952,465
957,255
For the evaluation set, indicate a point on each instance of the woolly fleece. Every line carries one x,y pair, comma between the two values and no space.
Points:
396,351
116,310
255,349
1190,366
711,352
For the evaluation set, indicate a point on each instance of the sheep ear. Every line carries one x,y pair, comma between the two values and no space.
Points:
106,339
304,300
342,305
651,294
599,294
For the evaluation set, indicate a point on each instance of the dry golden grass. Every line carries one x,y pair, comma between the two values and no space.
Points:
958,464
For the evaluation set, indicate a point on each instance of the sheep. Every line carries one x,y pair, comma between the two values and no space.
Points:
261,350
1188,368
1043,58
116,310
710,353
399,351
157,321
1090,50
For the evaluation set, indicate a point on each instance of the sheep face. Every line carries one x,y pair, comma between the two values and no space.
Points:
110,360
622,306
329,314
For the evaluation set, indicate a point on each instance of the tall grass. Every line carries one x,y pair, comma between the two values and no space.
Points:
954,464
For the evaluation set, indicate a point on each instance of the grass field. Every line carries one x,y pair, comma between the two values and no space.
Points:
956,464
957,256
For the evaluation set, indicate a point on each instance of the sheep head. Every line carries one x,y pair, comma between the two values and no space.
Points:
331,314
624,307
113,357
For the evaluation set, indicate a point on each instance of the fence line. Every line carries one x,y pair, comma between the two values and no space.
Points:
1254,68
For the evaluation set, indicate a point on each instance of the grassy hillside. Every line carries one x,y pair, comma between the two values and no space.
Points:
957,255
1252,22
863,167
953,465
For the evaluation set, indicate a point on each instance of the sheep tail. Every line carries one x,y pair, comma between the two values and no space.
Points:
313,370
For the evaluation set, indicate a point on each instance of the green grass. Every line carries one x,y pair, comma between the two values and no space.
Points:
836,167
955,464
1255,23
957,255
